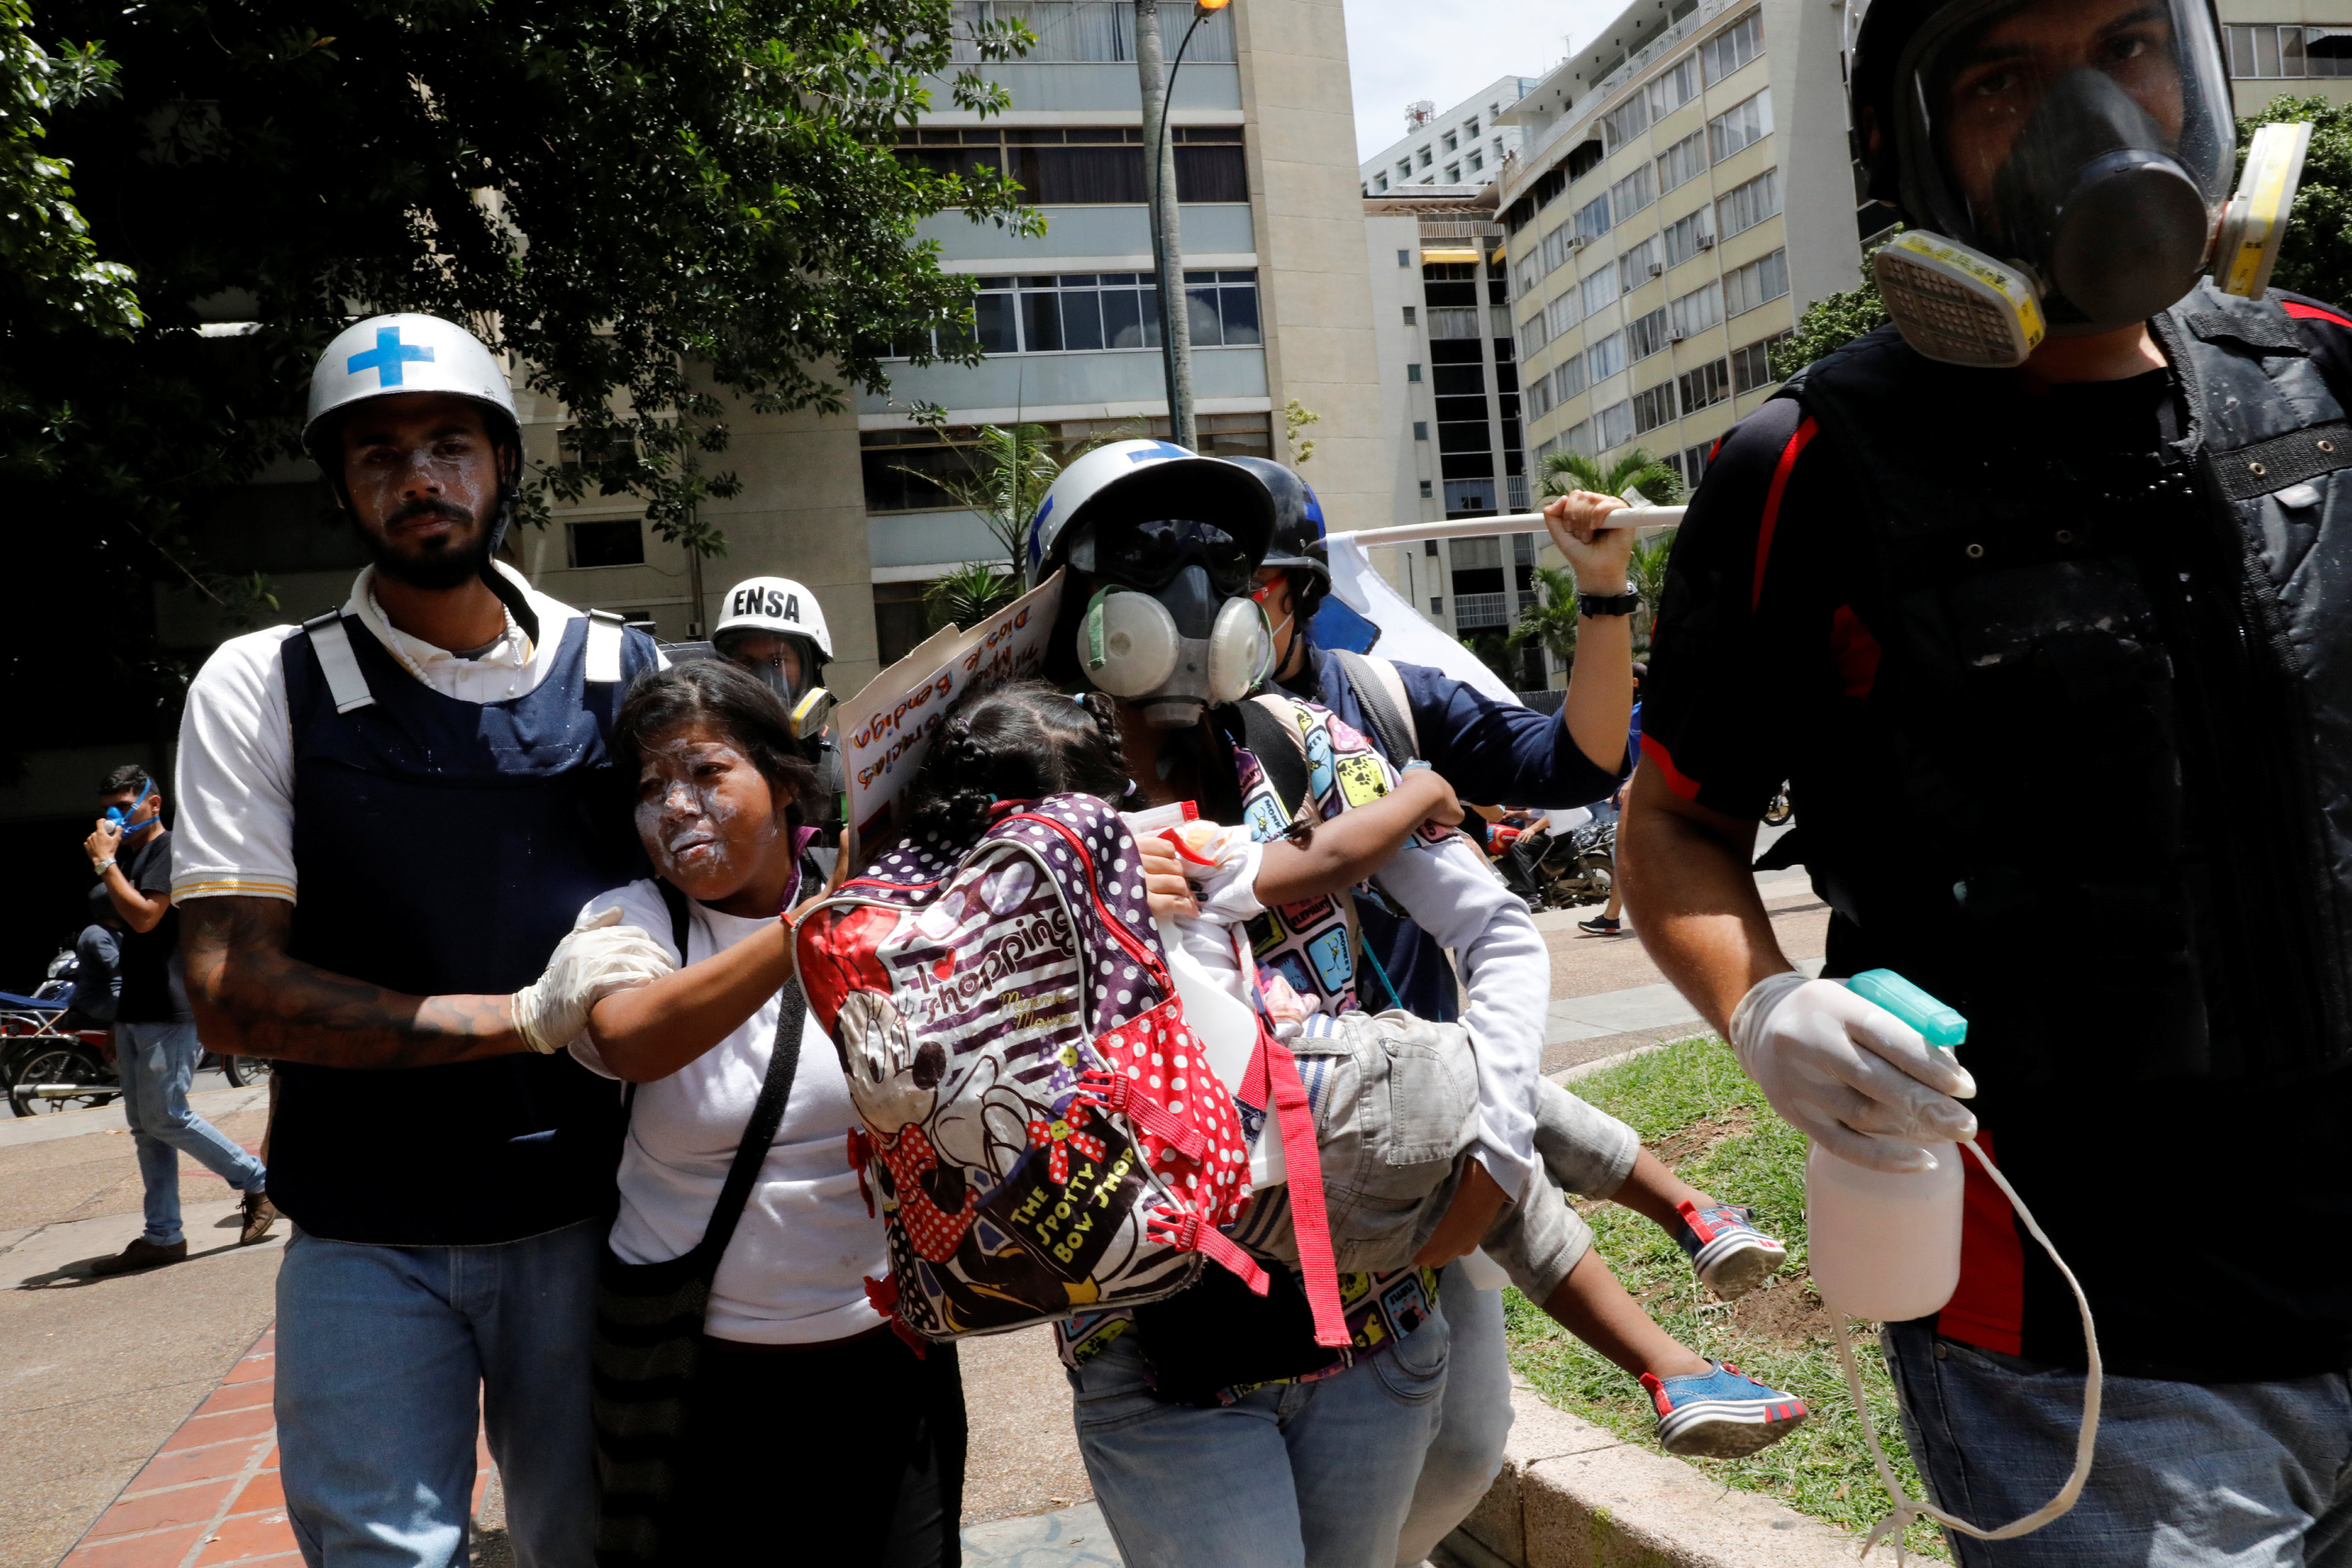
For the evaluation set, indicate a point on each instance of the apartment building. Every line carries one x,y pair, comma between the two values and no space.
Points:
1450,406
2302,47
1685,189
1465,145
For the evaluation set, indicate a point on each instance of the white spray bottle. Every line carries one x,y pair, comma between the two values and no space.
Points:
1886,1246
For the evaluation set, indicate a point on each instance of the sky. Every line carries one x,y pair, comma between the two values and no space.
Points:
1400,50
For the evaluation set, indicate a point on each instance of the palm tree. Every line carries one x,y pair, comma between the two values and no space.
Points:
1551,619
1012,467
1638,469
1645,573
968,594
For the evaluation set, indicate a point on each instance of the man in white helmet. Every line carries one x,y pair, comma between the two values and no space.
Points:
389,818
775,628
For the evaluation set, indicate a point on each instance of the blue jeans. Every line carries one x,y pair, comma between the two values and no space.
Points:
1300,1475
1476,1424
157,1061
385,1355
2187,1475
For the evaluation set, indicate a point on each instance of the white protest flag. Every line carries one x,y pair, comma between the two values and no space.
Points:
1406,635
885,730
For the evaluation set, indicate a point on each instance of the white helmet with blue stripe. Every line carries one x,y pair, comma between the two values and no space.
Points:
1142,481
386,356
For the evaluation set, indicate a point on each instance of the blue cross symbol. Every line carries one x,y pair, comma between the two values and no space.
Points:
1158,452
386,357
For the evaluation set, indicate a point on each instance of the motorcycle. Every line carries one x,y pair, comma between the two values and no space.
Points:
1559,871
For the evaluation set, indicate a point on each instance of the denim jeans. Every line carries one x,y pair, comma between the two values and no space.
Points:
2187,1475
157,1061
1474,1419
1297,1475
386,1354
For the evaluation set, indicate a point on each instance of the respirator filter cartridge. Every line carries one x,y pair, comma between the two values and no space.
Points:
1958,305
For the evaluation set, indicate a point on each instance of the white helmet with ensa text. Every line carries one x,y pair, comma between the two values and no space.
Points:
776,605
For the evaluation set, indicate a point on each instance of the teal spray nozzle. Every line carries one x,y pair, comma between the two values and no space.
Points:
1941,1025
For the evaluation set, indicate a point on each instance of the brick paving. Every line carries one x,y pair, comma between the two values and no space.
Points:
210,1496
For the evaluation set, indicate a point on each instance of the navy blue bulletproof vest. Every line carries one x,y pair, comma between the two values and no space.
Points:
444,848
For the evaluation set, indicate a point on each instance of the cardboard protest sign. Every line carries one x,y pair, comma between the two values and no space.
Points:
885,730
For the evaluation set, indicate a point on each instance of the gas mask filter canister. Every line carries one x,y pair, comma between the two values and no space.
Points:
1133,646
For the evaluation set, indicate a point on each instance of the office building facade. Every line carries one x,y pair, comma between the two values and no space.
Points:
1465,145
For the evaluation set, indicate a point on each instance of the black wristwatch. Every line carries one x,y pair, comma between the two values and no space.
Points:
1608,604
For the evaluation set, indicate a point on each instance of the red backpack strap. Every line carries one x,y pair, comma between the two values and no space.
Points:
1274,1083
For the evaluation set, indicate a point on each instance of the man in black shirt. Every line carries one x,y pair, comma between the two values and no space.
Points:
155,1045
2109,557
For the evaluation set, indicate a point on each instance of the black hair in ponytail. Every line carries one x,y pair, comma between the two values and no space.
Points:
1014,742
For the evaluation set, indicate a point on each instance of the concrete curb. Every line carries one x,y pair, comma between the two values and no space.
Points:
1571,1495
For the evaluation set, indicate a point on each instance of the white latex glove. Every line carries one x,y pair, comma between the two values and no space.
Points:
600,956
1849,1074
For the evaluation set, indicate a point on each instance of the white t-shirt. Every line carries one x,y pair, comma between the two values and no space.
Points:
794,1272
235,789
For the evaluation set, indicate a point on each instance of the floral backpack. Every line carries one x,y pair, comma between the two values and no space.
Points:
1043,1131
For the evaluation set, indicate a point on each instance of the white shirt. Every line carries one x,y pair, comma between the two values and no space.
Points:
235,787
794,1272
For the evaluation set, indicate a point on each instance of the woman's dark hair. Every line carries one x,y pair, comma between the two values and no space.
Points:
729,701
1014,742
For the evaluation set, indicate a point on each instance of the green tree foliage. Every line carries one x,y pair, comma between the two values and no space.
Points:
1833,321
50,273
2315,257
1550,620
667,214
1012,467
1645,574
968,595
1638,469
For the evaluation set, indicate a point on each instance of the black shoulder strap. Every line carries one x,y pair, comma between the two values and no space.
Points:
1390,728
1277,750
759,1131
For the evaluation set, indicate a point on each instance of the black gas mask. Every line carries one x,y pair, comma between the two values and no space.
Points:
1170,627
2068,165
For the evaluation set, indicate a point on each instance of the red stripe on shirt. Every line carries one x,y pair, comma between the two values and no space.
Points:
1855,652
1989,1309
1681,783
2303,312
1804,433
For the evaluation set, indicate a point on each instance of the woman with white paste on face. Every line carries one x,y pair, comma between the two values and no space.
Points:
811,1424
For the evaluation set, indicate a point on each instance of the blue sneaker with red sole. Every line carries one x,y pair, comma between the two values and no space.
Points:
1729,1255
1722,1414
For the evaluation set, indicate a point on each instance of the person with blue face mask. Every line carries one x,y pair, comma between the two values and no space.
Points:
155,1045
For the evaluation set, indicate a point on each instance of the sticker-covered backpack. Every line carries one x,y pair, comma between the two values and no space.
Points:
1039,1124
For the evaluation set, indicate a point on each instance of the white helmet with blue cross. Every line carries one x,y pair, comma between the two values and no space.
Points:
386,356
1136,481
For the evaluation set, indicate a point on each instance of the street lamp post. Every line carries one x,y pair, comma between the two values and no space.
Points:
1159,185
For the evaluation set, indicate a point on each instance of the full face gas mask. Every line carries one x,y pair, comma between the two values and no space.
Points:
2068,162
808,706
1171,627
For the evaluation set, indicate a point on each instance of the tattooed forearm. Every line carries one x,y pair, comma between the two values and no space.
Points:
252,999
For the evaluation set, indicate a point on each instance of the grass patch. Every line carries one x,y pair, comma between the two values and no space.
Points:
1700,1113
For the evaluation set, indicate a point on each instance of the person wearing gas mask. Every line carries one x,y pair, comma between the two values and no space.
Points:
1496,751
2077,502
1310,1453
389,816
775,629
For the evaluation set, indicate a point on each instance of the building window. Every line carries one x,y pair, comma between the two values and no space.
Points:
1563,313
1405,172
1694,312
1673,87
1379,183
1471,130
1654,408
1613,425
1404,258
1409,314
1424,158
1086,32
1453,173
1050,313
1706,386
1646,336
1638,266
1694,466
620,543
1088,166
1733,47
902,467
1625,122
1427,492
1746,287
1744,124
1632,193
1744,206
2266,50
1437,605
1540,397
1456,323
1451,142
1568,378
1531,335
1557,247
1476,160
1413,372
1421,430
1605,359
1751,367
1684,161
1687,235
1578,438
1592,218
1600,288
